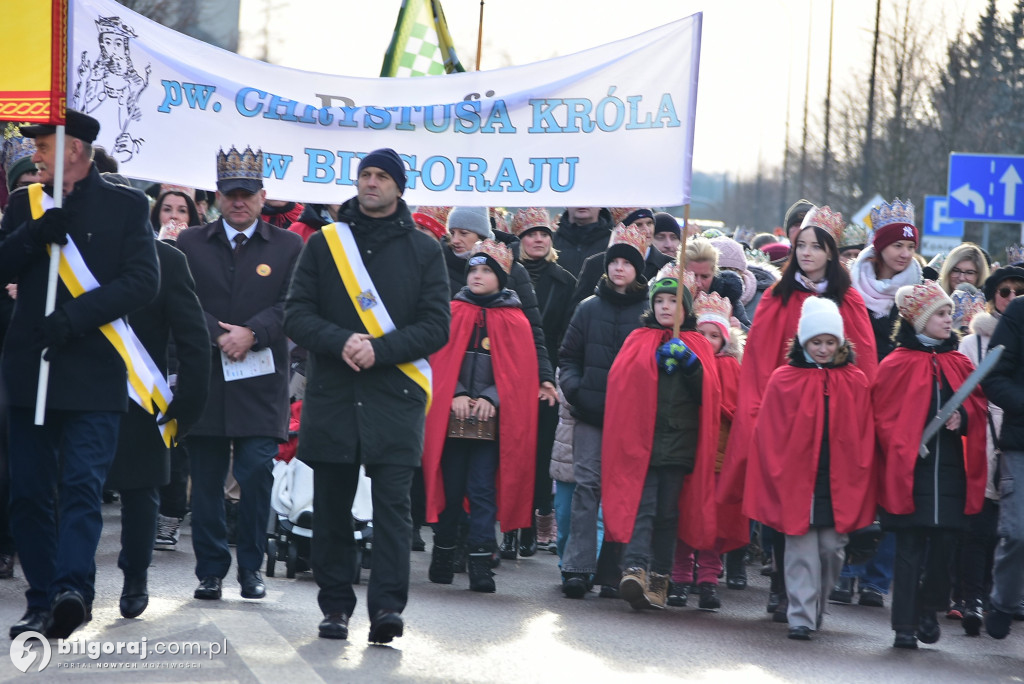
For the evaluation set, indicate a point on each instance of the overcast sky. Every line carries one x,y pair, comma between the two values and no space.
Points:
753,52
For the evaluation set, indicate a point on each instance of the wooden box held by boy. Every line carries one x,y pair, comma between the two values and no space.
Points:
471,428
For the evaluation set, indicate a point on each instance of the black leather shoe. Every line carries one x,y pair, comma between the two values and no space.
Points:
334,626
208,589
738,583
774,598
34,620
800,633
842,592
509,546
574,585
928,631
904,640
67,614
527,542
781,613
252,584
134,596
6,565
974,616
418,544
871,597
385,626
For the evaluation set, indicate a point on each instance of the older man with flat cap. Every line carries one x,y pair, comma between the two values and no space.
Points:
369,300
242,266
58,468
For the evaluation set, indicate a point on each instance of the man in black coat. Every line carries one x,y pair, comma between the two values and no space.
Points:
365,402
142,464
1004,387
242,267
593,267
57,469
582,232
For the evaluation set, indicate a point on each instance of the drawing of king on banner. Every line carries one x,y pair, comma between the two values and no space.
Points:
112,78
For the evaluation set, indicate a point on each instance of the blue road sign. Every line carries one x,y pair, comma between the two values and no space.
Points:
986,187
936,218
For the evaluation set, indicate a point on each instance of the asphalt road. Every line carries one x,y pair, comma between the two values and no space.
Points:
526,632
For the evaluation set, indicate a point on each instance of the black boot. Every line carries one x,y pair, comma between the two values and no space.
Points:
417,539
509,542
442,569
481,577
134,596
527,542
736,569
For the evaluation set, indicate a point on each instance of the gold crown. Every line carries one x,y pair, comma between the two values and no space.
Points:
854,234
1014,254
531,217
629,235
826,219
246,165
895,212
497,251
712,306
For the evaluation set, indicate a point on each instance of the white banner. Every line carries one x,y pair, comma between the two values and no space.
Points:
610,126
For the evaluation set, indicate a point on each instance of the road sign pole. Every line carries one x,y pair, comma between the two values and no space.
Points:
985,230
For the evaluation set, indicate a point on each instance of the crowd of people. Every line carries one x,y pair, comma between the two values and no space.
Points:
657,406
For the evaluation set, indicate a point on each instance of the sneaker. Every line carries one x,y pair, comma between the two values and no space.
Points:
973,617
633,588
677,594
168,531
574,585
956,611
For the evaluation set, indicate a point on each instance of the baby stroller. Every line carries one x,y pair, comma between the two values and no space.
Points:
291,515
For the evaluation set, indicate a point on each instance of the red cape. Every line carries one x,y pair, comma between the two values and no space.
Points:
514,360
630,410
902,398
788,438
766,349
729,517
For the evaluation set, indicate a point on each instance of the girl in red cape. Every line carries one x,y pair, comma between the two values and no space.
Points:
813,270
660,435
926,500
487,370
814,461
714,316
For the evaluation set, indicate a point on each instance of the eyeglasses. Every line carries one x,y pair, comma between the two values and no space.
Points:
1005,292
957,271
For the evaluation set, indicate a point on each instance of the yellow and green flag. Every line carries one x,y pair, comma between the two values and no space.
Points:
421,45
33,48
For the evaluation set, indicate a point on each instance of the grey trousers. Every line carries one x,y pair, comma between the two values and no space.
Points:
1008,570
653,544
812,566
581,549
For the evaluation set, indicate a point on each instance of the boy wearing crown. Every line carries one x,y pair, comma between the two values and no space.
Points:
660,438
487,372
242,267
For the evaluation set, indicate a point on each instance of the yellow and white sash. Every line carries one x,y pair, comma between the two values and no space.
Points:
146,384
368,303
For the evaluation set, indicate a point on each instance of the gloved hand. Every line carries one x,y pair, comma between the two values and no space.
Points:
51,227
674,355
182,411
52,332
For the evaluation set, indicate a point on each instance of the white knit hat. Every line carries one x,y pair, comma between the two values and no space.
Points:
819,316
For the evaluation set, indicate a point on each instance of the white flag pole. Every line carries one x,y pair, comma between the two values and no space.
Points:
51,283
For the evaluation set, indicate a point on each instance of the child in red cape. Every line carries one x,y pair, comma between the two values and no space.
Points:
714,315
660,434
814,460
814,269
487,370
926,500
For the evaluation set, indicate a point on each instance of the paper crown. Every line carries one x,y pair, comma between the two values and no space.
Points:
712,307
888,213
1014,254
629,235
966,305
854,235
745,235
670,271
619,214
15,148
497,251
917,303
497,214
826,219
531,217
235,165
756,256
712,233
114,25
437,214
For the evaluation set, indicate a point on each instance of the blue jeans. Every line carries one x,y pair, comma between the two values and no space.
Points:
563,516
469,468
876,573
253,465
63,464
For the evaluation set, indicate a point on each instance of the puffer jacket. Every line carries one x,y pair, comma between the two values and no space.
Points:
975,347
561,452
596,332
1004,386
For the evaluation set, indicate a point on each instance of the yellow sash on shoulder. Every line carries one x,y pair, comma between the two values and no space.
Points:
146,384
371,308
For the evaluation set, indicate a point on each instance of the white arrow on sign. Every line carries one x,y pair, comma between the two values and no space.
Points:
964,195
1010,180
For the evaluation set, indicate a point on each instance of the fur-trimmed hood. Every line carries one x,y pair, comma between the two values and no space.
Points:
984,324
735,345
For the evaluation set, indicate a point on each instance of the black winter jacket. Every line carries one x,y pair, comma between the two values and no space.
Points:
553,286
576,243
596,332
593,269
1004,386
